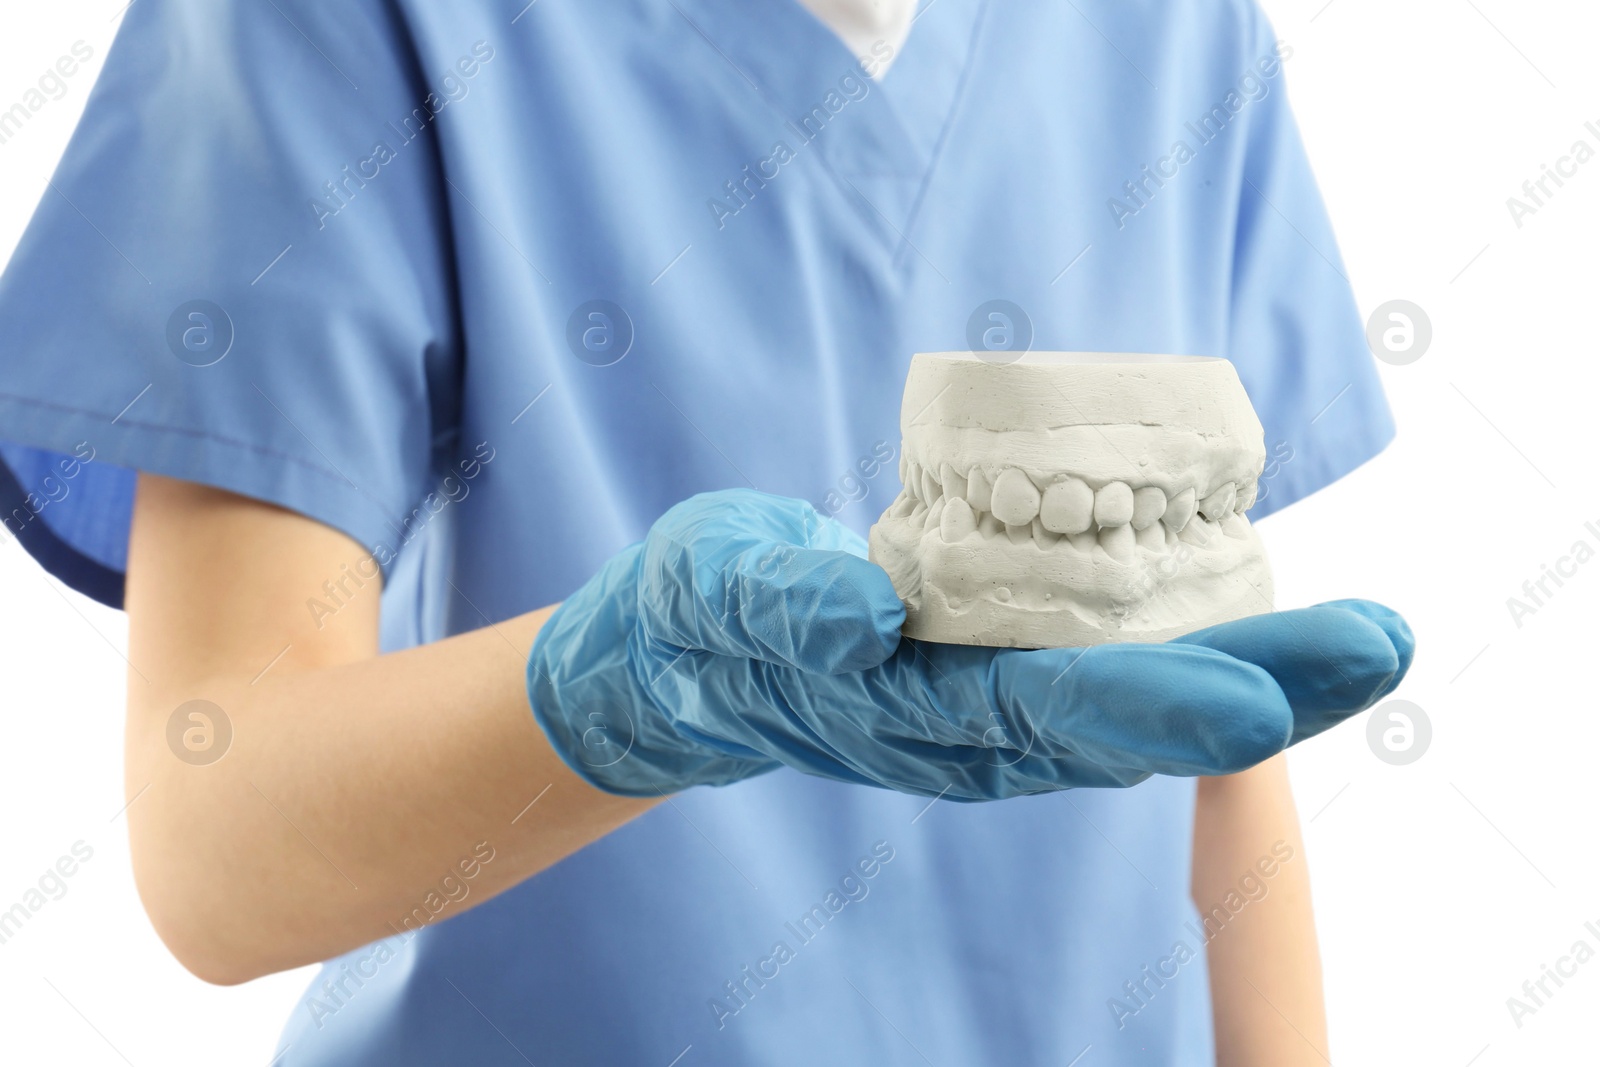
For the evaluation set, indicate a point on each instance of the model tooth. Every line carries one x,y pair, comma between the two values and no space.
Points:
930,487
1149,504
903,505
1236,526
1199,532
1019,535
1067,506
1016,498
918,517
951,484
1180,509
1219,503
905,467
957,520
1247,498
1153,537
1118,541
989,526
1083,542
980,490
1113,505
1042,537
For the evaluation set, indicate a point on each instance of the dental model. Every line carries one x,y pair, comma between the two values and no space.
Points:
1071,499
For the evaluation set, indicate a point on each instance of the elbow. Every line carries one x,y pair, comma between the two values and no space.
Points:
192,917
214,971
202,948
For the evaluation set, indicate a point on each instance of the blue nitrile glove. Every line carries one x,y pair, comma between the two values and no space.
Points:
747,632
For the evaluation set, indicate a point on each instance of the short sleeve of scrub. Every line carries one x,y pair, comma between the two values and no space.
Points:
240,275
1322,407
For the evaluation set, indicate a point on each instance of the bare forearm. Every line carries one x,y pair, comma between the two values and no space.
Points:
359,792
347,796
1251,884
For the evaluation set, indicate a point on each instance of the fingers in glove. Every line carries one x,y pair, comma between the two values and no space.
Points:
1159,708
1330,661
1163,709
1392,624
747,574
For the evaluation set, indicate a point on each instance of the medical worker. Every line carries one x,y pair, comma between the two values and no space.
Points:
477,407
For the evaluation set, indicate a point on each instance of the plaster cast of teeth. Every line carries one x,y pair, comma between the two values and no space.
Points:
957,520
1220,503
1149,504
1180,510
1118,541
1067,506
951,484
1016,498
1056,500
1113,504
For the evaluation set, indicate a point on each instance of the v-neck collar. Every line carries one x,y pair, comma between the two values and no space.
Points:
879,140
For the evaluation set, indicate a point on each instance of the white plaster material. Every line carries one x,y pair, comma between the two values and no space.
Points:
1072,498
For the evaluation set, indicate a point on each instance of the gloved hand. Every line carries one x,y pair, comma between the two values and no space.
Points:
747,632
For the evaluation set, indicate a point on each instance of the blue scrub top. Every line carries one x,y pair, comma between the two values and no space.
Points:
489,287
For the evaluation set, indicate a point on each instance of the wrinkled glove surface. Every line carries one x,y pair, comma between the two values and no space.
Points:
748,632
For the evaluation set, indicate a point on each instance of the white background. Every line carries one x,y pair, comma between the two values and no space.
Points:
1441,886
